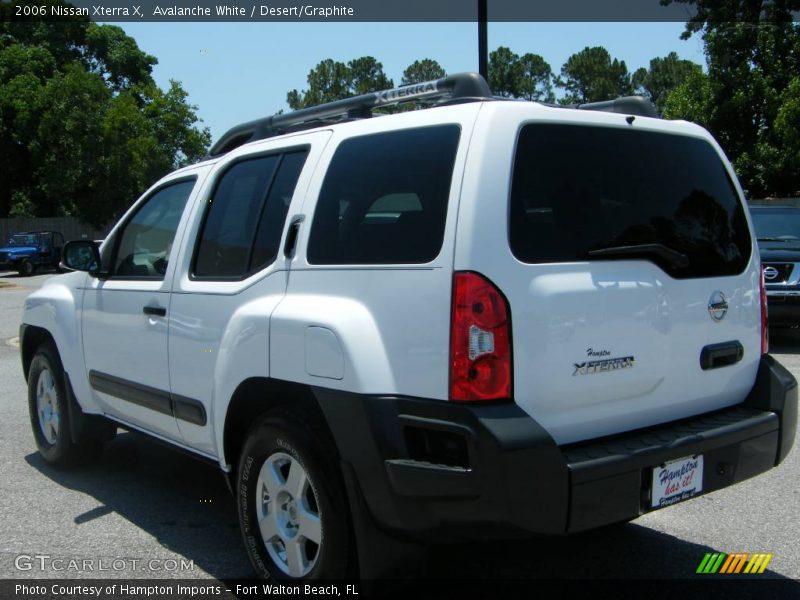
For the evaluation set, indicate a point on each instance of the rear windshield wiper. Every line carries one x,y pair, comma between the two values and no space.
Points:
673,257
778,239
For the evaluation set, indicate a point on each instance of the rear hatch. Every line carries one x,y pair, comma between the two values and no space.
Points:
626,252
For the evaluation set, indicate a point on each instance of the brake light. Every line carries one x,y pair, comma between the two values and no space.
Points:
764,316
480,340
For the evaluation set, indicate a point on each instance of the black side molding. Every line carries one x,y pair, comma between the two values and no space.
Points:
180,407
714,356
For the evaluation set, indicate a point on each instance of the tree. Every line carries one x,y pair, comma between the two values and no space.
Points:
366,75
84,129
753,54
592,76
331,80
422,70
528,77
663,76
504,72
692,100
116,56
535,79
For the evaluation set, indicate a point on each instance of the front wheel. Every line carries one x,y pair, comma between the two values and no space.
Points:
291,502
49,413
26,268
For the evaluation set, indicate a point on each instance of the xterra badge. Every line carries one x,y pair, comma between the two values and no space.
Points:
600,366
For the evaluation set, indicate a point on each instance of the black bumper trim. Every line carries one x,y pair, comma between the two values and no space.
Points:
656,445
517,481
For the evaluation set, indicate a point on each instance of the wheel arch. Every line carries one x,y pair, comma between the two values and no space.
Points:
257,395
31,337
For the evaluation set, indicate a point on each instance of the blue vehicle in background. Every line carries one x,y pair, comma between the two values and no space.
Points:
28,251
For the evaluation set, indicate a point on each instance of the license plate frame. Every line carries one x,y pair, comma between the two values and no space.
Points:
676,480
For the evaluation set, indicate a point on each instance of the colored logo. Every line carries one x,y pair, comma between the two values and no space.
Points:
739,562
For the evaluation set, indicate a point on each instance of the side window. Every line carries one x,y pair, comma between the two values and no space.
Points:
146,240
384,198
245,216
273,214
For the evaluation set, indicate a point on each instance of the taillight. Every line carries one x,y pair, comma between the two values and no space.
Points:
764,318
480,340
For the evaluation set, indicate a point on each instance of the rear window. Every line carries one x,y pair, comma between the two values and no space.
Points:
578,189
384,198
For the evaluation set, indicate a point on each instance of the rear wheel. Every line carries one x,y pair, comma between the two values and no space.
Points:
291,502
26,268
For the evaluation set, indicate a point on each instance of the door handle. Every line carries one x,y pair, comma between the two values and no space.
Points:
155,311
714,356
291,237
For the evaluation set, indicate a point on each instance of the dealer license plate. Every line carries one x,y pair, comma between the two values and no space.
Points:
676,480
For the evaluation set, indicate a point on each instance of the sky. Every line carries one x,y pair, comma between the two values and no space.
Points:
236,72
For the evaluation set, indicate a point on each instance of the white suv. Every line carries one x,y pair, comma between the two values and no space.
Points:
484,318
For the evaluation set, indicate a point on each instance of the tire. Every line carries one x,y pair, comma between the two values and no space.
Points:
291,502
26,268
49,412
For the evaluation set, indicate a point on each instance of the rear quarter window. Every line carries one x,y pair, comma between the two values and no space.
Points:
577,188
384,198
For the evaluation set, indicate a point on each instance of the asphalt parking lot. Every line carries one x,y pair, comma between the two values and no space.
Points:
142,510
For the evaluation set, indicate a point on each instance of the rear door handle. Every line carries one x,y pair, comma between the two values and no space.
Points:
291,237
155,311
715,356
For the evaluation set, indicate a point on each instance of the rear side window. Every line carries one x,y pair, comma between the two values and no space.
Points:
384,198
245,216
579,189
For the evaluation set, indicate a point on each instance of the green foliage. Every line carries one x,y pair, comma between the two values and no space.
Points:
664,75
332,80
422,70
592,76
528,76
83,127
504,72
751,95
536,79
110,52
692,100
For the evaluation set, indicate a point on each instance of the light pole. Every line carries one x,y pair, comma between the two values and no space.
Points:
483,50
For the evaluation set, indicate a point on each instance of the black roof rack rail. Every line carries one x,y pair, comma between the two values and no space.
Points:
462,87
627,105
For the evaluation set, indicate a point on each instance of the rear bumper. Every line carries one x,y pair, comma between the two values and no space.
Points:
504,476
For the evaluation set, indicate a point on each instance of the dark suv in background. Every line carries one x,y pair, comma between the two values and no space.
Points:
778,231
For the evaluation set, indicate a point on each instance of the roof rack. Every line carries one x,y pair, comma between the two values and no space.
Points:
627,105
462,87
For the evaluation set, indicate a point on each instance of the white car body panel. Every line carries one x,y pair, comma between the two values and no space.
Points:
391,321
219,330
385,329
626,308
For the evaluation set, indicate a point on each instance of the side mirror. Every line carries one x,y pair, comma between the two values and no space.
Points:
81,255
